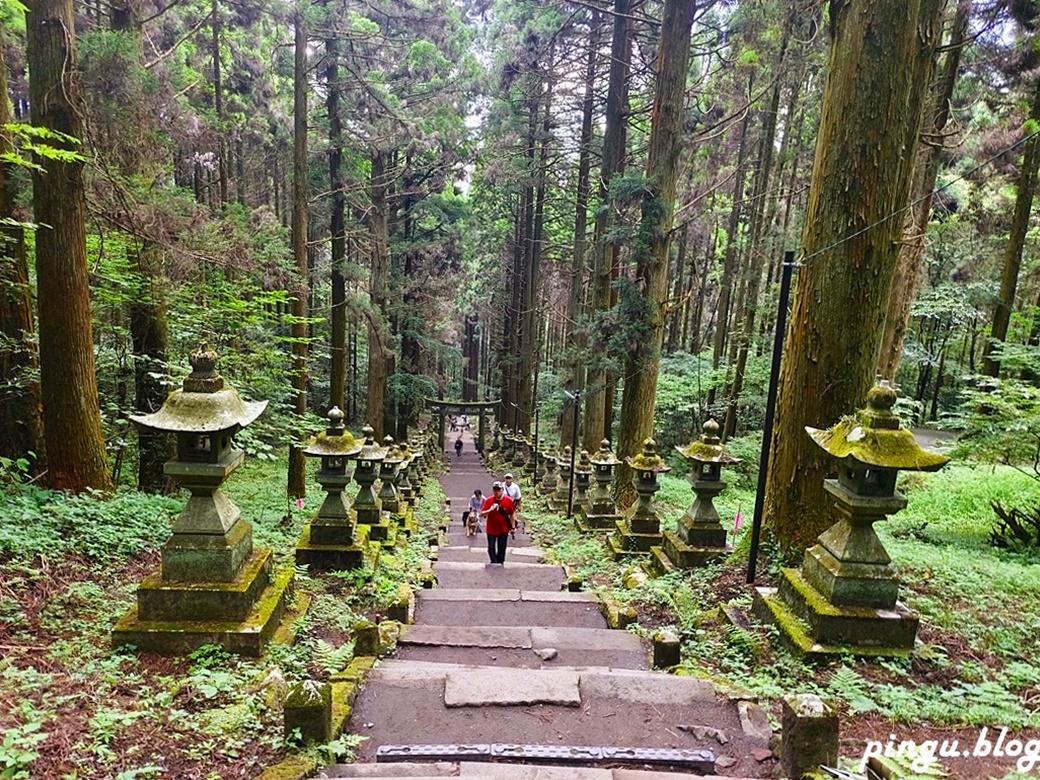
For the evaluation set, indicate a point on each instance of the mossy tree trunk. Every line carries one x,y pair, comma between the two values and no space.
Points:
338,316
71,416
880,61
655,234
378,331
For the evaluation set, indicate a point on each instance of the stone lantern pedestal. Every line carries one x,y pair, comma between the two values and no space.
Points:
845,597
640,529
395,509
213,587
332,541
699,537
600,512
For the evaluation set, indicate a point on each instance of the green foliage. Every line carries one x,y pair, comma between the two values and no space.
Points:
18,750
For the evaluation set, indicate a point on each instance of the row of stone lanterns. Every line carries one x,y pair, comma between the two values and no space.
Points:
214,587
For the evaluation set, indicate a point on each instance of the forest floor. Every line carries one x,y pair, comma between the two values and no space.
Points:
71,708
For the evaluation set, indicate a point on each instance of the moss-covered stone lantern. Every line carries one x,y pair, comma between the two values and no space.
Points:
699,537
582,481
402,481
846,591
601,513
213,588
640,528
547,486
332,541
416,469
558,501
367,507
388,469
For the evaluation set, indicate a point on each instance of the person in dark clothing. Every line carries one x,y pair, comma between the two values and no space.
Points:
498,514
458,446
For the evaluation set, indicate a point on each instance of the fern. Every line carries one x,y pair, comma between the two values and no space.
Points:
849,685
332,659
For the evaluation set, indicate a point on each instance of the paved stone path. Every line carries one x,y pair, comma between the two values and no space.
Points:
500,655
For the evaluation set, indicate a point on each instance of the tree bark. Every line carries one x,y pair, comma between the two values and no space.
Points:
72,420
662,173
602,251
1016,243
878,74
21,421
297,482
926,171
337,228
378,336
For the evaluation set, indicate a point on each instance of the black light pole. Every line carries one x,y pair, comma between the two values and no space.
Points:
574,449
767,432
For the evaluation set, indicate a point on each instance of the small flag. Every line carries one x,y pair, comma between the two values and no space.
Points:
738,522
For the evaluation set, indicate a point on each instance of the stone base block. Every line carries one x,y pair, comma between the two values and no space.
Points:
814,628
191,557
644,526
850,584
161,600
337,534
658,564
686,556
630,542
593,523
247,637
710,535
333,557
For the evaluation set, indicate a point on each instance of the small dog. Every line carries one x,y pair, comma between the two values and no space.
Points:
471,524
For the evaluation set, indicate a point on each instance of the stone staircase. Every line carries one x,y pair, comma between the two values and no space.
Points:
506,675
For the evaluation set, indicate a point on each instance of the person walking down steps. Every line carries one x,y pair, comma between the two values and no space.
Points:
498,514
458,446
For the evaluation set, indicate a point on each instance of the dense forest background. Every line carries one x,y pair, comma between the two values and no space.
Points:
364,204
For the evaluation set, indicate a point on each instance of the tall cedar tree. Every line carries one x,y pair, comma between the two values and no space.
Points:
71,415
655,231
21,422
879,71
297,486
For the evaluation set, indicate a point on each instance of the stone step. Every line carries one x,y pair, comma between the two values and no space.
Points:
501,771
518,574
521,637
474,550
508,607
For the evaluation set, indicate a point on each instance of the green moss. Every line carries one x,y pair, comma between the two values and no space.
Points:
295,768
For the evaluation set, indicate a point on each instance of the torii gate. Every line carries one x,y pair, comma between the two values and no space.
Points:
482,409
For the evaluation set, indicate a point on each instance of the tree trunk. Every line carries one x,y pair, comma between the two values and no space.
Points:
337,228
926,171
378,336
218,104
879,71
1016,243
602,251
72,420
662,173
575,377
21,422
297,482
150,346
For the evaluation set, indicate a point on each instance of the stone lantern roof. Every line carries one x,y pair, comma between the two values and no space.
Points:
708,449
873,437
648,459
204,404
604,456
371,451
394,456
334,441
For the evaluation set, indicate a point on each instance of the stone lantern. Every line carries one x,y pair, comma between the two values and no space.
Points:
601,513
416,469
563,482
519,451
700,537
548,484
214,588
332,541
846,591
388,469
367,507
496,443
402,481
582,481
640,528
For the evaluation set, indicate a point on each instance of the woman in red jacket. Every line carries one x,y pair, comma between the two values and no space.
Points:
498,514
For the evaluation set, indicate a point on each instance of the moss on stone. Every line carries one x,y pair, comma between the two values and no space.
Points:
294,768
